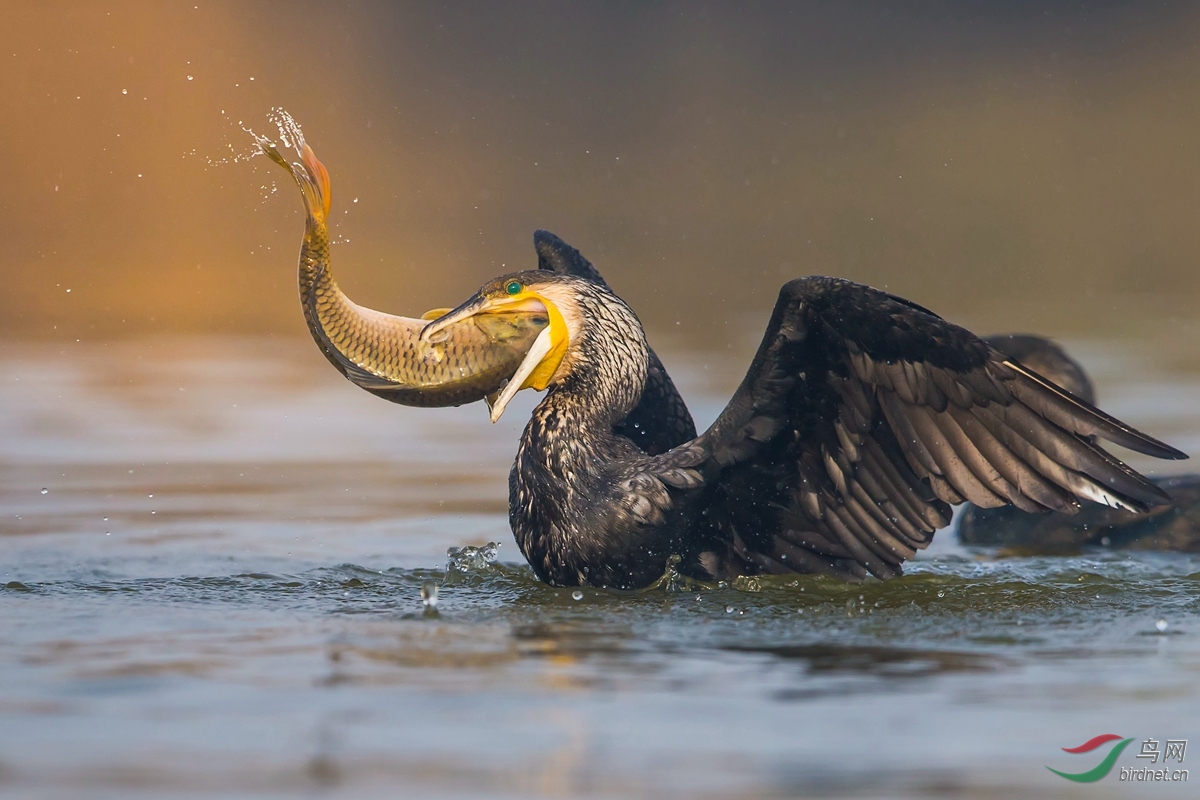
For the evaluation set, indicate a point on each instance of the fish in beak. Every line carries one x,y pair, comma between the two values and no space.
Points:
544,355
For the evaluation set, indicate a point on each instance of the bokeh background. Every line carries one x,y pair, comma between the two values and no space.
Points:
1012,165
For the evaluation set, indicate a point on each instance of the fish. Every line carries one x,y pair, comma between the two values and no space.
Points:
383,353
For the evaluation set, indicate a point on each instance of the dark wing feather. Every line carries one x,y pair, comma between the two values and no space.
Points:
661,419
1048,360
863,416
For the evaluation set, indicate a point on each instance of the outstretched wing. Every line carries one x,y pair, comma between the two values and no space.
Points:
661,419
864,415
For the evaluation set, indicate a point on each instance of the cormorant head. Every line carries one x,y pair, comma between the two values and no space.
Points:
572,306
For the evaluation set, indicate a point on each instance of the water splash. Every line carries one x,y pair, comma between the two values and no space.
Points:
472,559
672,581
288,130
288,136
750,584
260,145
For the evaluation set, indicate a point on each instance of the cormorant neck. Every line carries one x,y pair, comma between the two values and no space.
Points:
559,483
602,377
588,402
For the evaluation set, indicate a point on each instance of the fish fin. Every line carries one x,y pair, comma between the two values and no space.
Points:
435,313
320,180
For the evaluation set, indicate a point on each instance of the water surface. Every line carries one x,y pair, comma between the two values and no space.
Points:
211,560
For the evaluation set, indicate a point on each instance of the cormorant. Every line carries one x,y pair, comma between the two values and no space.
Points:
861,418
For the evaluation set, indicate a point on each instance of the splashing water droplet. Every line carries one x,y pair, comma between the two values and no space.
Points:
472,559
1161,626
45,490
744,584
429,595
576,595
941,594
728,609
189,77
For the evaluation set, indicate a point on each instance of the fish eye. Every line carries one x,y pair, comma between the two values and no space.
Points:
513,287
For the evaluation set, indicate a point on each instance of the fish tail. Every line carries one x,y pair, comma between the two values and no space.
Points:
311,176
316,184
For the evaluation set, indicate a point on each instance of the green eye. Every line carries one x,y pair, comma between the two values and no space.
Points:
514,287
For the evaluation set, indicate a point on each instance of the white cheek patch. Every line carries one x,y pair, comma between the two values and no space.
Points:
567,308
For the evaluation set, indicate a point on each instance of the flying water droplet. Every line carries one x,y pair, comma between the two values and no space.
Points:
429,595
45,490
577,595
1161,626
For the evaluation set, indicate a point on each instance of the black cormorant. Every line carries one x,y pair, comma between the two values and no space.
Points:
862,417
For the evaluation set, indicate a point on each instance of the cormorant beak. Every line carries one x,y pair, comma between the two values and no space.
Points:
540,361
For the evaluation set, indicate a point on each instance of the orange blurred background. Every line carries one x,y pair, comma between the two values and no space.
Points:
1011,165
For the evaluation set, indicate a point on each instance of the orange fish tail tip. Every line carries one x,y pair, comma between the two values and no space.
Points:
320,176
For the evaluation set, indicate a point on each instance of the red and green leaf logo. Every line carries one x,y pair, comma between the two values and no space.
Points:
1104,767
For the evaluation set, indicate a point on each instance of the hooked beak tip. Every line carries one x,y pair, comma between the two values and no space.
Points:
429,330
465,311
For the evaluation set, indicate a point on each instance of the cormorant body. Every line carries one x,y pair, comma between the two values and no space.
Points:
861,419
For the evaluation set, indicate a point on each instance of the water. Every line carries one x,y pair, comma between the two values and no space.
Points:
224,572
